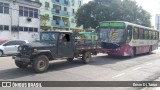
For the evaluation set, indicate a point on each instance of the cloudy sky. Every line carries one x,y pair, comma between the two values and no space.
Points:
152,6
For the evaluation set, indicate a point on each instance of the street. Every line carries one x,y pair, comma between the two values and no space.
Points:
103,68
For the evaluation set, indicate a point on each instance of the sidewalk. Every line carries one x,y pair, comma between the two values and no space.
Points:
152,88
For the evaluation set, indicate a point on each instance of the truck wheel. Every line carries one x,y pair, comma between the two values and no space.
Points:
20,64
70,59
40,64
86,57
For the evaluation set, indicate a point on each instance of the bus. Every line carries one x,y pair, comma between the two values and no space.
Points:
122,38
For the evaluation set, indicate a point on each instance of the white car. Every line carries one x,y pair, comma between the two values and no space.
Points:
10,47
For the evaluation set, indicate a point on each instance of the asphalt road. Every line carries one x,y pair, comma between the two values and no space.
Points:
103,68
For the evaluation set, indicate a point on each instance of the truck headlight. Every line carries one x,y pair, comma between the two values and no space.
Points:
35,50
19,48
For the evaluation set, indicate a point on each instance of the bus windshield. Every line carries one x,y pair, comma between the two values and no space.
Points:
111,35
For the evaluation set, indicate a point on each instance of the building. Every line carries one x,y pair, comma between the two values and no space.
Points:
61,13
157,22
19,19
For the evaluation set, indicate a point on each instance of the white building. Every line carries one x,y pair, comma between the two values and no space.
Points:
19,19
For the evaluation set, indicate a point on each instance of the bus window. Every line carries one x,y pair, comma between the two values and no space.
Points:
141,33
146,34
150,35
135,34
154,35
129,34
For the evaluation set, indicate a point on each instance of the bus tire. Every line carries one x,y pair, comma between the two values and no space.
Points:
132,52
40,64
150,50
86,57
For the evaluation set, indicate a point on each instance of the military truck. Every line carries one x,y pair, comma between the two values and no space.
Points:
55,45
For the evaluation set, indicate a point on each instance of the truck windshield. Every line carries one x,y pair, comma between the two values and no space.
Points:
111,35
48,36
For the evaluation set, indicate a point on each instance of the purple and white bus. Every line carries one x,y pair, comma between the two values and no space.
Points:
122,38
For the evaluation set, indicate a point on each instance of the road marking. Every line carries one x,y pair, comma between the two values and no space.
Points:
149,63
119,75
137,68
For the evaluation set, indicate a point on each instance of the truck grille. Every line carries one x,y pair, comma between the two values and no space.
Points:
26,51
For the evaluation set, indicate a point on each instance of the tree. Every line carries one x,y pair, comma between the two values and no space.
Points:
111,10
44,20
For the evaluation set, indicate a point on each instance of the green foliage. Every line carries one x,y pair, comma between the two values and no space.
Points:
44,20
111,10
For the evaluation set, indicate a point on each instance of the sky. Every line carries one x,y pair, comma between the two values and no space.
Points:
152,6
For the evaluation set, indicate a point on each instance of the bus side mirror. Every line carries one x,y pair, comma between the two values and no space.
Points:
129,27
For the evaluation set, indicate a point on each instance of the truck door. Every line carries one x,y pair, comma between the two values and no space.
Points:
65,45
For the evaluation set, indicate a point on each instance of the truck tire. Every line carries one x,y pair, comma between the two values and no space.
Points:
70,59
86,57
20,64
40,64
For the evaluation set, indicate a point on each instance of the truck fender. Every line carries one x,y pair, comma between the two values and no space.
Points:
43,52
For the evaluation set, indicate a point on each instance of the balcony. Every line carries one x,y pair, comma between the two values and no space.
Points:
60,13
60,23
65,13
62,2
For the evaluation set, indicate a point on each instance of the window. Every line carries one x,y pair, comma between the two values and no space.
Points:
10,43
6,27
30,29
20,28
35,13
35,29
47,4
141,33
73,11
28,12
26,29
19,42
4,8
65,8
150,35
135,34
1,27
21,11
146,34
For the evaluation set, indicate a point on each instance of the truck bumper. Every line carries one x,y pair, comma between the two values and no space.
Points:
27,60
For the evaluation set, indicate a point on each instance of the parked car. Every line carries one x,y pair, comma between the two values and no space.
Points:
10,47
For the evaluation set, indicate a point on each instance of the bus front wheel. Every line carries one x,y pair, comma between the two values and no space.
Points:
132,53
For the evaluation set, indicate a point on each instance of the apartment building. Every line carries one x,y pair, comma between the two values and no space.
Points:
61,13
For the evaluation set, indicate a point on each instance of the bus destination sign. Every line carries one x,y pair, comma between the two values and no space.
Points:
111,24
